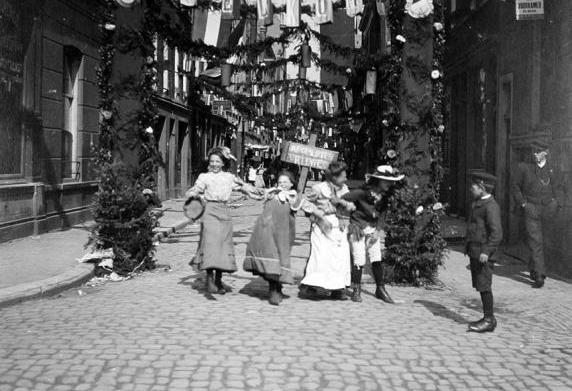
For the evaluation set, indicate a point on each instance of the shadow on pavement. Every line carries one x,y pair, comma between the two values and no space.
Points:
257,288
440,310
197,282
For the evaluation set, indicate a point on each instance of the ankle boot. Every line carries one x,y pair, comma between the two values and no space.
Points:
218,283
282,294
211,287
275,296
379,276
356,284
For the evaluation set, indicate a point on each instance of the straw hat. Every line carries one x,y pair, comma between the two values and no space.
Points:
386,173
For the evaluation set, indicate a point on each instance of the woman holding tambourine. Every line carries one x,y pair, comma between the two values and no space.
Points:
208,199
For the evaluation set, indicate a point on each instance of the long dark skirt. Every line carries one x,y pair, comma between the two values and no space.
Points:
268,251
216,250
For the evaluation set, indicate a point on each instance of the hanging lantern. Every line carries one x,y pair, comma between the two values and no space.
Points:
302,73
226,73
306,53
370,81
189,3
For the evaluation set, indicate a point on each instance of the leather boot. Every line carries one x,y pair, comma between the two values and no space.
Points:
275,296
356,284
538,282
282,294
218,283
211,287
486,325
379,276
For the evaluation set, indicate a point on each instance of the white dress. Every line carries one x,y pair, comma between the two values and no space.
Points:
329,263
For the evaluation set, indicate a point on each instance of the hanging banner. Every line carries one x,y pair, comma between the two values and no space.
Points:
529,10
324,12
230,9
265,12
352,8
292,15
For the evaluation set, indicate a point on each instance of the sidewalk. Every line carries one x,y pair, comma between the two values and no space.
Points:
40,265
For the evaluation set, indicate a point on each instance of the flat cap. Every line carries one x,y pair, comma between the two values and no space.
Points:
539,145
483,178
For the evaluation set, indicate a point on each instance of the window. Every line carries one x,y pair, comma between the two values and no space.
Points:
72,63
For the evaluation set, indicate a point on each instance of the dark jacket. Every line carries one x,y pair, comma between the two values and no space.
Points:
484,228
527,185
366,213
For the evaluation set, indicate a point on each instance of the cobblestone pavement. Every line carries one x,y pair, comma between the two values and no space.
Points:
160,332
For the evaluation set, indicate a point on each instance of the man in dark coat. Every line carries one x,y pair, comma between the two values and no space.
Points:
535,188
484,234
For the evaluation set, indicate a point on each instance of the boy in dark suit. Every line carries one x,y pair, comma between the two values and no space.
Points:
484,234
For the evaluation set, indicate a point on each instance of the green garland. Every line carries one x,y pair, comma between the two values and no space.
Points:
122,216
415,247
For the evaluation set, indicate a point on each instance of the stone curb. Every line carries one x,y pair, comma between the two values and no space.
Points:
73,277
49,286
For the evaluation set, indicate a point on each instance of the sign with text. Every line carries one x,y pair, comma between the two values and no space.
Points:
307,156
529,9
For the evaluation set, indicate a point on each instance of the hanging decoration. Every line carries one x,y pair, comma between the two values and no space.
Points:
230,9
189,3
306,53
292,16
370,82
226,74
419,8
264,11
323,12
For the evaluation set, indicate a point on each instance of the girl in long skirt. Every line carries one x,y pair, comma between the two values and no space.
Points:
215,254
268,251
329,263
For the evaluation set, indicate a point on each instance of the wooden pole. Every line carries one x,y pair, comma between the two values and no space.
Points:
304,172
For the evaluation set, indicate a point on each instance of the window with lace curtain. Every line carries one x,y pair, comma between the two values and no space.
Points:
72,63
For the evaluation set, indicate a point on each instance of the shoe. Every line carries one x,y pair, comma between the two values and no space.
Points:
339,294
284,296
486,325
476,322
221,290
211,287
532,275
538,283
382,294
356,295
275,296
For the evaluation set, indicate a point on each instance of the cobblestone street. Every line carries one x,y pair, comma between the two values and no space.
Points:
159,331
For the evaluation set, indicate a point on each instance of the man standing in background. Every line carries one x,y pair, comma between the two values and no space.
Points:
535,188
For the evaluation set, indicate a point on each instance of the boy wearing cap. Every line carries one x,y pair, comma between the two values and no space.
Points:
484,234
365,234
535,189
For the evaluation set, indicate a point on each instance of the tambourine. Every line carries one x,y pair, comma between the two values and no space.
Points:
194,208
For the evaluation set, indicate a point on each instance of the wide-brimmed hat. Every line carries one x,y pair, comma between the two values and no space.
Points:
194,208
386,173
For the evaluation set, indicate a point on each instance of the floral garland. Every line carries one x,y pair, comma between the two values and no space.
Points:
414,245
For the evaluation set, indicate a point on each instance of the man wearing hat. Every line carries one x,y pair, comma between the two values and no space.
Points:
365,234
535,189
484,234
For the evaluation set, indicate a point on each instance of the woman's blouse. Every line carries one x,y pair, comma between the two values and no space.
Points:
215,187
324,193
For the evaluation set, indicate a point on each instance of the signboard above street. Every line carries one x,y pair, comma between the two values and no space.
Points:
308,156
529,9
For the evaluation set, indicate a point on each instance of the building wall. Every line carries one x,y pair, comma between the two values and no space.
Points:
55,185
527,97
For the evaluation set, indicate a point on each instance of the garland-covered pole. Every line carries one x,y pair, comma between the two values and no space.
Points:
126,155
413,120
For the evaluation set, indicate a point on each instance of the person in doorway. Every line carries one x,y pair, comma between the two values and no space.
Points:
484,234
328,266
365,233
268,251
215,254
536,190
